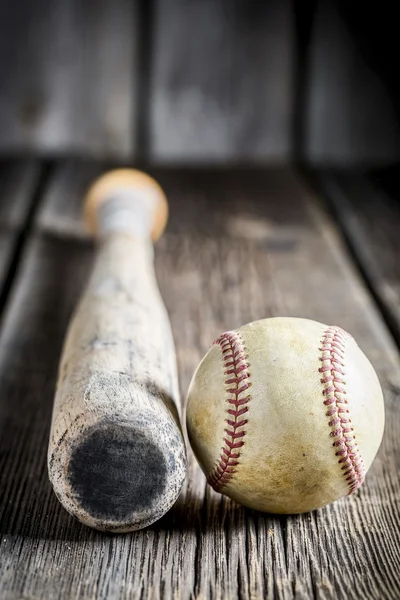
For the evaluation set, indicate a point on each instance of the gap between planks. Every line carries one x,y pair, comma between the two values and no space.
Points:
20,186
370,220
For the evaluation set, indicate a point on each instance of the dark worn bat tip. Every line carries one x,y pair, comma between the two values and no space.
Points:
117,471
120,478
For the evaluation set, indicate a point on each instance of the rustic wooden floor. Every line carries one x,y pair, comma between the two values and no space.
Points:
240,245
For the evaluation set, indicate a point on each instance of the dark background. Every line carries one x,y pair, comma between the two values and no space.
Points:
201,81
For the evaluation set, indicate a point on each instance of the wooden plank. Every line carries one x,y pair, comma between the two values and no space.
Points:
350,117
18,179
17,182
221,81
370,218
240,245
61,209
68,74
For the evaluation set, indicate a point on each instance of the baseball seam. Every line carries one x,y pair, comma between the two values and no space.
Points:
237,382
332,369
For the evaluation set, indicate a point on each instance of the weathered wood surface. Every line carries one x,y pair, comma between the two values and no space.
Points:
60,212
370,218
221,81
350,118
68,76
194,81
239,246
18,180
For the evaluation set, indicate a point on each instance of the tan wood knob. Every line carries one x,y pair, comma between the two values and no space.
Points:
116,458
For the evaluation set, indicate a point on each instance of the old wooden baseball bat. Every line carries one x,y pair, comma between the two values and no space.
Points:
116,457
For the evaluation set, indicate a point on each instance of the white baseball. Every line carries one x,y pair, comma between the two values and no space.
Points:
285,415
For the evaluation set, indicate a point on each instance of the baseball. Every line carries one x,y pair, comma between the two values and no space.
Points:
285,415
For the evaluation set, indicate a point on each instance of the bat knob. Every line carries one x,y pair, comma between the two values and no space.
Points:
131,187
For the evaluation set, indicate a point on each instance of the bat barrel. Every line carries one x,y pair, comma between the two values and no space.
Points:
117,458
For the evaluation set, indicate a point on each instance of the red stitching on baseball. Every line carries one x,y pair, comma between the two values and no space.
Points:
332,348
236,369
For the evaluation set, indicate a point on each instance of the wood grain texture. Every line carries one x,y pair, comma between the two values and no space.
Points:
350,117
17,184
370,218
221,81
68,77
240,245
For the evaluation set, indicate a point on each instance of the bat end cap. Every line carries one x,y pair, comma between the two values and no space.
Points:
124,179
119,477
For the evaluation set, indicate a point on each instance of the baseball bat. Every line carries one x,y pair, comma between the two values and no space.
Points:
116,457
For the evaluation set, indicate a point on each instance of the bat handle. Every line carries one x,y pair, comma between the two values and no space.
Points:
116,458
